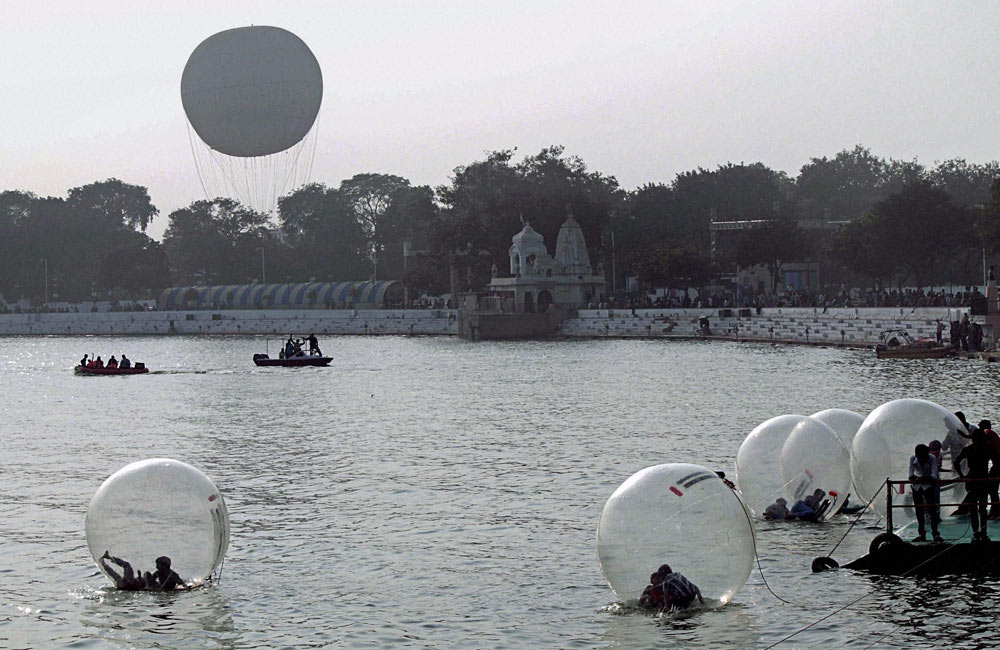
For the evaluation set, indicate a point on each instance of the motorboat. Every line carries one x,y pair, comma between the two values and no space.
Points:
898,344
292,362
293,354
137,369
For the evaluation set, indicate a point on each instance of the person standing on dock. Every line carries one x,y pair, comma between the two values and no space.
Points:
993,440
979,456
926,492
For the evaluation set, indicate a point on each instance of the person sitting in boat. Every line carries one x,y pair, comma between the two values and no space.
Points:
979,456
777,510
129,580
289,347
668,590
314,345
83,361
297,350
98,362
112,362
926,491
125,362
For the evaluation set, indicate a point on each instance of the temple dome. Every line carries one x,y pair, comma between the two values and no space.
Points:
527,252
571,249
527,235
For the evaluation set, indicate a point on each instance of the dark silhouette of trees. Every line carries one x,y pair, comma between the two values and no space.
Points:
910,235
215,242
91,244
370,196
987,226
898,222
323,235
770,245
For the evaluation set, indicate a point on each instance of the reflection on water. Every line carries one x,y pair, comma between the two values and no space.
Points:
201,617
428,492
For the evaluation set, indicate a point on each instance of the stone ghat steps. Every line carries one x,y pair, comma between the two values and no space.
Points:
843,331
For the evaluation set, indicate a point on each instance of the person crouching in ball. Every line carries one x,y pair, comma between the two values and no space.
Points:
668,590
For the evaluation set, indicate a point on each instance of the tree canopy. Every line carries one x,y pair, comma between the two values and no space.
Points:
899,221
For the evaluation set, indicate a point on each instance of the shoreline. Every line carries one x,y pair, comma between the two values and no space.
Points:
834,327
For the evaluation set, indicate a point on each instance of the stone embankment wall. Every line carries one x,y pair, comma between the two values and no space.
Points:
847,326
282,322
860,327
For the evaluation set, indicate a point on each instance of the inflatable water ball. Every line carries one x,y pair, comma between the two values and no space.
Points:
884,444
758,462
845,423
814,458
677,514
160,507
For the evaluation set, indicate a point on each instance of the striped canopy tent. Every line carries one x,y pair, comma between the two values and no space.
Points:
299,295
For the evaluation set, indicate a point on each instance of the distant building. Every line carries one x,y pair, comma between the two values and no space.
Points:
298,295
538,280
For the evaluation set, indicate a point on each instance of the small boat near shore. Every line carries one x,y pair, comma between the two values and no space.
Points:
898,344
294,354
138,369
292,362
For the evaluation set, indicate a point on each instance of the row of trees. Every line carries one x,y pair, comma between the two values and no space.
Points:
898,222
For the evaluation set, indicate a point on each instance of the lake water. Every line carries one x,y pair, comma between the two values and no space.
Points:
429,492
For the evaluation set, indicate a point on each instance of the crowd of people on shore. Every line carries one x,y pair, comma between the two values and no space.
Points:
827,298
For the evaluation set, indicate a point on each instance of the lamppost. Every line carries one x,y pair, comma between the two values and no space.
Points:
45,261
263,280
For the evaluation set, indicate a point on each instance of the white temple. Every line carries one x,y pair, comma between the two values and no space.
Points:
539,280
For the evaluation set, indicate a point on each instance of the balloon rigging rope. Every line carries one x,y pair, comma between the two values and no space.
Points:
863,510
195,156
312,153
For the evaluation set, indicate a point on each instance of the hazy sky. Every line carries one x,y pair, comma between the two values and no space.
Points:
639,90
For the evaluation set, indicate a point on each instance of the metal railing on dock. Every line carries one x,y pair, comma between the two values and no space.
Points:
889,493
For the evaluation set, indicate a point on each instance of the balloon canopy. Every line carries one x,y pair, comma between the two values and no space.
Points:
252,96
758,462
884,444
677,514
160,507
252,91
